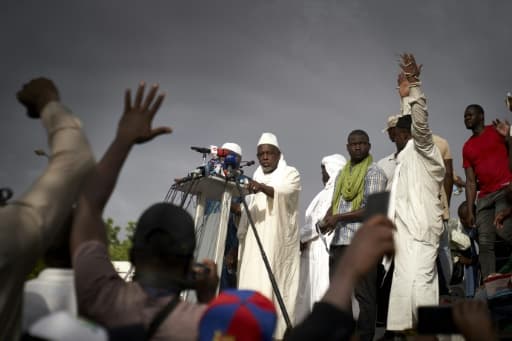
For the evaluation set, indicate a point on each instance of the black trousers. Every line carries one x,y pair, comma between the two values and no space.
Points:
365,293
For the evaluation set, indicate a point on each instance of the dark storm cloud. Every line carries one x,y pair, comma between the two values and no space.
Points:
310,71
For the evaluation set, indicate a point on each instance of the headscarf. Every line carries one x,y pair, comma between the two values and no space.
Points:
350,184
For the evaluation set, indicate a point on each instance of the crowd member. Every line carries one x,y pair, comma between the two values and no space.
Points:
390,127
274,210
355,182
162,252
469,257
331,318
314,257
388,163
54,287
445,263
30,223
486,161
228,276
238,315
415,206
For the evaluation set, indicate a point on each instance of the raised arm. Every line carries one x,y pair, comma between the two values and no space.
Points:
413,101
48,201
134,128
503,127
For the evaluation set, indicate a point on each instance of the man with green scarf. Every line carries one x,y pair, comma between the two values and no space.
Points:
356,181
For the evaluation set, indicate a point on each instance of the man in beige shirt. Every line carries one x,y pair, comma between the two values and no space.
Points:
29,224
445,256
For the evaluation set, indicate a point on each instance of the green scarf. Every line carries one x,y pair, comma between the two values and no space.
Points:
350,184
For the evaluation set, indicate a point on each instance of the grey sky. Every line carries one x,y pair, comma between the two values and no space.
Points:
309,71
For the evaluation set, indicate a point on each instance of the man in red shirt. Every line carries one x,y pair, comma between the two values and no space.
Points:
485,159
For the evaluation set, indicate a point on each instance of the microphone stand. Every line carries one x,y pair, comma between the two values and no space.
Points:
265,259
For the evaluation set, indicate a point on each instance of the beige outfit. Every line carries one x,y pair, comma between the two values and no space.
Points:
30,223
446,154
416,210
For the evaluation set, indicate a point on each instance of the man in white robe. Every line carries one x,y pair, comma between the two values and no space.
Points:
274,210
415,207
314,257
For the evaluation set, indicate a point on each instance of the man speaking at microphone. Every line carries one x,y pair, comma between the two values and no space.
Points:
274,210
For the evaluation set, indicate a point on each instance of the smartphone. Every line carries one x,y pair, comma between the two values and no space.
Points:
436,320
377,203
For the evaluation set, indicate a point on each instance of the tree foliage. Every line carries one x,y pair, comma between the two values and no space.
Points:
119,250
118,247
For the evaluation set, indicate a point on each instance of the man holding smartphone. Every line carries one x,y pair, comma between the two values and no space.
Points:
355,182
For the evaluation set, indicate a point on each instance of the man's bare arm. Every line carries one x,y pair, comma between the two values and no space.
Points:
134,127
470,194
330,221
256,187
448,179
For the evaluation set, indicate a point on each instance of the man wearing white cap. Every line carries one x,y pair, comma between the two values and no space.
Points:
274,209
314,262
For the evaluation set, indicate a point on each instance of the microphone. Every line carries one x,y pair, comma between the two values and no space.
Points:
5,195
220,152
247,163
202,150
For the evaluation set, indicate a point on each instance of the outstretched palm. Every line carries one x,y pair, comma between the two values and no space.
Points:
503,127
135,124
409,67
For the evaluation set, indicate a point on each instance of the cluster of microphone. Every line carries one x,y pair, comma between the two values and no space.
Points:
218,162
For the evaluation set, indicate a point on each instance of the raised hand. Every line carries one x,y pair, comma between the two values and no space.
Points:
409,67
135,124
36,94
503,127
403,85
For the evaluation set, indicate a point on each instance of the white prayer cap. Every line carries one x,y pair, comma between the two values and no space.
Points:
233,147
268,138
333,164
391,122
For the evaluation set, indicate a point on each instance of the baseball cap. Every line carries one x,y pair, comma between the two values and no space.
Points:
167,227
238,315
404,122
391,122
